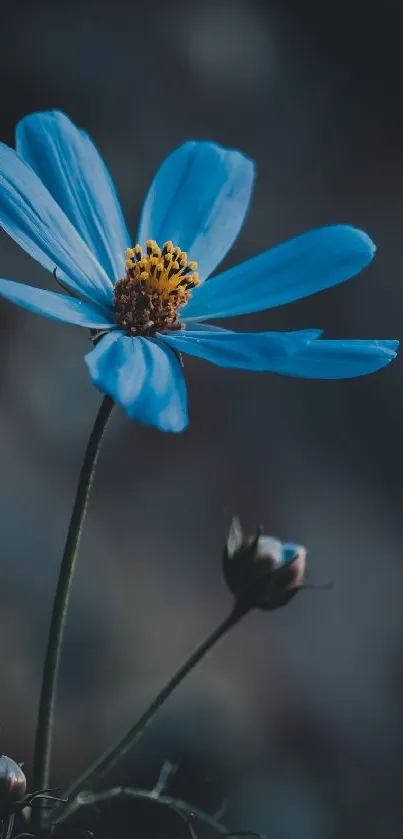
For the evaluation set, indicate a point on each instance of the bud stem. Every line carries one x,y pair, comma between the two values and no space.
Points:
112,755
44,730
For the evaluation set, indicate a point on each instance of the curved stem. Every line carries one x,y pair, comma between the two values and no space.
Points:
43,739
116,752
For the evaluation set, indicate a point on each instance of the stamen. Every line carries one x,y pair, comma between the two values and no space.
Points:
153,265
156,285
167,247
173,270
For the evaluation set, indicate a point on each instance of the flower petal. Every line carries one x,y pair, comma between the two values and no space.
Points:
290,551
54,306
280,552
246,350
312,262
30,215
67,162
291,353
143,376
343,359
199,199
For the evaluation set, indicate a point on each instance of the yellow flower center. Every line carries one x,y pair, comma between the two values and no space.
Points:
156,284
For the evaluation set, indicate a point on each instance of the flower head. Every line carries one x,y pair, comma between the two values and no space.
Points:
155,287
146,301
262,571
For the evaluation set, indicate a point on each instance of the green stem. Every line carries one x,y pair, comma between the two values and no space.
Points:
112,755
43,739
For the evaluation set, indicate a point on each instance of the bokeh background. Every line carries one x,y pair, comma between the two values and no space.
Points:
297,718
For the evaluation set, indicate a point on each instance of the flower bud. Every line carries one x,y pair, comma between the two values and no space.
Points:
12,783
262,572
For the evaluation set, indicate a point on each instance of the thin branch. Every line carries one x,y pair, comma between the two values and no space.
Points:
167,770
90,799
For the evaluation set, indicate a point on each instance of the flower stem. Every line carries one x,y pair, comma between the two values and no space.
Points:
116,752
43,739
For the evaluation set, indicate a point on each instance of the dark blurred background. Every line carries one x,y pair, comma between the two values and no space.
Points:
297,717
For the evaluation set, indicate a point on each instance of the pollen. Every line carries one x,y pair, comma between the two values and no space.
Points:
157,283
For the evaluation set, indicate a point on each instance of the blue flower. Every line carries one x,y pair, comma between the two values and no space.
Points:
147,304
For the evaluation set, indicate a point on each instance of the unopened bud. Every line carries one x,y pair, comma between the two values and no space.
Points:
13,783
262,572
